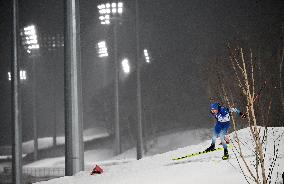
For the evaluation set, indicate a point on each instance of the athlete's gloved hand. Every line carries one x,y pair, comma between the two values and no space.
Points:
243,115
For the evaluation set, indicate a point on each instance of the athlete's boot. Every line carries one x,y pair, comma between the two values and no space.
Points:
226,154
211,148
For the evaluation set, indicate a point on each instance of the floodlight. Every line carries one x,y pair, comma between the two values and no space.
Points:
108,10
119,10
125,66
30,38
146,52
146,55
102,49
103,11
23,75
9,76
29,42
120,5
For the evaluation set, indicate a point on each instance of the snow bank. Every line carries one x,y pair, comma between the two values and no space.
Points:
203,169
47,142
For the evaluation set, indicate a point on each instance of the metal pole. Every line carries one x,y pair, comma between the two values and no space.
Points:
281,67
116,93
139,101
16,123
54,98
74,158
35,131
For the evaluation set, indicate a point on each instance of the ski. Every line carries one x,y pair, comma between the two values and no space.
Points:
198,153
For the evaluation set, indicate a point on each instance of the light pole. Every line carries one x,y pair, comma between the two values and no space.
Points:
16,123
110,12
23,77
74,147
139,146
147,58
30,43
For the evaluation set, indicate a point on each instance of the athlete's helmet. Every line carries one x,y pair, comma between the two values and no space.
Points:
215,106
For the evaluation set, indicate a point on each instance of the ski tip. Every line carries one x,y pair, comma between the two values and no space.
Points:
225,157
178,158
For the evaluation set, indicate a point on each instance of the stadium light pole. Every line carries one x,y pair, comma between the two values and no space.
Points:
138,82
30,43
16,123
139,147
23,77
110,12
74,147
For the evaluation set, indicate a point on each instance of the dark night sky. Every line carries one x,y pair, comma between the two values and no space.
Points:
181,36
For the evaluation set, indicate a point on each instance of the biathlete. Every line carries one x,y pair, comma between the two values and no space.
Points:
222,115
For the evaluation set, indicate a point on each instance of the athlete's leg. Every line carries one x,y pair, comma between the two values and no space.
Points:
216,131
222,137
223,133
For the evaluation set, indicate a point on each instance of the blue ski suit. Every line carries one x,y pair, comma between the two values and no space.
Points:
223,124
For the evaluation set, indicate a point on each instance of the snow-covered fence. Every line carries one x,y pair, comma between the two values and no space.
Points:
44,171
39,171
31,175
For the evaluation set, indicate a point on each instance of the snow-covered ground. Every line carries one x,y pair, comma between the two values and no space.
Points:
162,144
160,168
47,142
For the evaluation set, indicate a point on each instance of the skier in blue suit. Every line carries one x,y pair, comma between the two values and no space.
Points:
222,115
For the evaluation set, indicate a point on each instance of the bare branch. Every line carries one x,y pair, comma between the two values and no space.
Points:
252,77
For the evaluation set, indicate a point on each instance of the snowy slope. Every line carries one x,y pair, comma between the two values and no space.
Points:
160,169
162,144
47,142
